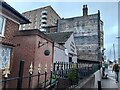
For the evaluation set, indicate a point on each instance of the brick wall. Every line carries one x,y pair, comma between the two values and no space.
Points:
10,28
24,50
27,49
41,59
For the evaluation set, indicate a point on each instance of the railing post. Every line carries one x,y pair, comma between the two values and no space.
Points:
39,70
5,73
45,80
77,78
54,66
4,85
29,82
21,69
38,79
62,69
30,77
51,75
45,76
50,79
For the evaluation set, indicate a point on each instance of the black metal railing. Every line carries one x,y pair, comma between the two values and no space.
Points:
46,83
72,71
76,71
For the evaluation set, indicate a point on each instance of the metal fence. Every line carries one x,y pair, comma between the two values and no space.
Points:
72,71
45,84
76,71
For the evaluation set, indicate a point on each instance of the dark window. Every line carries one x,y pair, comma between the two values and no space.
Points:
70,59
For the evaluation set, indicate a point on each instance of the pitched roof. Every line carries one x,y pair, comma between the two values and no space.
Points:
59,37
12,11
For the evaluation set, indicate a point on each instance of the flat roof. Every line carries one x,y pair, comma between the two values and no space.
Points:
31,32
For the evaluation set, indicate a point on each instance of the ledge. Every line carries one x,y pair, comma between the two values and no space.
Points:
80,85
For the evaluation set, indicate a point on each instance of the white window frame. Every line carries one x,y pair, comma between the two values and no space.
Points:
3,27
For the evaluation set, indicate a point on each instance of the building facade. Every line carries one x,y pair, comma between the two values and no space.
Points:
30,47
65,49
40,18
88,34
10,20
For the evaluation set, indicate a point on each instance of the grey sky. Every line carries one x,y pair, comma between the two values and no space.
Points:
109,15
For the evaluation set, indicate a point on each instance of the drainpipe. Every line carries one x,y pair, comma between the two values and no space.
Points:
52,52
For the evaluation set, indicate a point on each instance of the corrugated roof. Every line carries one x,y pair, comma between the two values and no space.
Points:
59,37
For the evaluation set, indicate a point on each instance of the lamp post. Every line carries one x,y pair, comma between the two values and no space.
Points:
118,49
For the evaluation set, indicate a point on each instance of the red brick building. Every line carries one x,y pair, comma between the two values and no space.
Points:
10,20
30,47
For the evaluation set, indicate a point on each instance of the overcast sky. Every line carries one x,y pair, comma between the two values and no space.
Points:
109,15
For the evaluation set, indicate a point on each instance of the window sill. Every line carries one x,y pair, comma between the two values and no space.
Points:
2,36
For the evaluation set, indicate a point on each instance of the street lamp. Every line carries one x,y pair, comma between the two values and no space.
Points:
118,49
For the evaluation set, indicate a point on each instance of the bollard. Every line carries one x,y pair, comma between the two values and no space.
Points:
99,85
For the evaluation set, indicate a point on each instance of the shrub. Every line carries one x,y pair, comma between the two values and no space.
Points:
72,74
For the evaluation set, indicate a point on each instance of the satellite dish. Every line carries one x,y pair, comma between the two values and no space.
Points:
66,52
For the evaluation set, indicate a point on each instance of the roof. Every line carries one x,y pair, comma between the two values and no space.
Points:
43,8
79,17
59,37
22,19
31,32
71,18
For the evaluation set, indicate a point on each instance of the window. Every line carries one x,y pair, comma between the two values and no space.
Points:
2,25
34,27
23,25
23,28
5,53
35,22
35,18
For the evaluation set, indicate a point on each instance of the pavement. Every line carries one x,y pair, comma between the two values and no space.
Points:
110,82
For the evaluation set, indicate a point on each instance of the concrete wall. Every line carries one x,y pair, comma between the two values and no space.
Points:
98,76
91,82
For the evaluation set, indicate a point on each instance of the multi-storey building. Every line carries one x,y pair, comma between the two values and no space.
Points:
88,34
40,18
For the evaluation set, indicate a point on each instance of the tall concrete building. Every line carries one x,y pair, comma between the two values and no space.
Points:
40,18
88,34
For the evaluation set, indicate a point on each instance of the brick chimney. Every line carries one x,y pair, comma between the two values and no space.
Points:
85,10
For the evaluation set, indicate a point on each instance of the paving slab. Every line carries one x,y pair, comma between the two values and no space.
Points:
110,82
